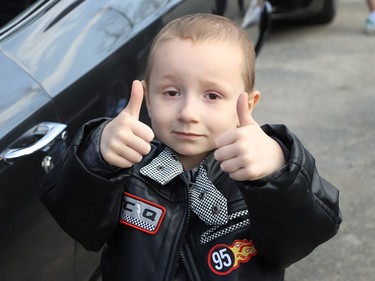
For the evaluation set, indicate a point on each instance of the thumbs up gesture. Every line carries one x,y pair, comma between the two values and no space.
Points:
246,152
125,140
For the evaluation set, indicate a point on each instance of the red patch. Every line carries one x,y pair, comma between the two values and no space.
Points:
141,214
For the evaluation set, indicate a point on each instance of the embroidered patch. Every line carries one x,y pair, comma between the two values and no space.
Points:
223,259
141,214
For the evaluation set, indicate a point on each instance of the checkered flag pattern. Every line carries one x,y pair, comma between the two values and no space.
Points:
137,222
208,202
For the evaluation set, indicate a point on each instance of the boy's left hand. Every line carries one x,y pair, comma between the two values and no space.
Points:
247,152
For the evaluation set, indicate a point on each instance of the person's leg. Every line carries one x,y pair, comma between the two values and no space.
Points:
241,6
371,5
253,13
370,22
220,8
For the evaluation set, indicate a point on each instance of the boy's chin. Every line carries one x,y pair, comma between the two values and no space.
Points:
193,154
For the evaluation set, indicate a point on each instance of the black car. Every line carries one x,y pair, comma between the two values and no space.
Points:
304,11
62,62
288,11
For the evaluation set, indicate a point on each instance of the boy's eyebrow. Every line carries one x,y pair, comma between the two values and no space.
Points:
167,81
209,82
167,77
213,83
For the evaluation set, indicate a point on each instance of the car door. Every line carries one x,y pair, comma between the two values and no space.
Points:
32,246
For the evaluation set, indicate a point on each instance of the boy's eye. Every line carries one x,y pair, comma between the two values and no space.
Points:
172,93
212,96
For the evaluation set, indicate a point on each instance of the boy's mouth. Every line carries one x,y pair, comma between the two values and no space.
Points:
186,135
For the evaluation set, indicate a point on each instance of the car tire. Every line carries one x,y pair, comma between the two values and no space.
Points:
327,14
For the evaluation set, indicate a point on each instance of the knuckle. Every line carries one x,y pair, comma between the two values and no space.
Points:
109,158
137,158
145,149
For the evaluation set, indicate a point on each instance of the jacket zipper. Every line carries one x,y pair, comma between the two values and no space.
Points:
187,271
178,254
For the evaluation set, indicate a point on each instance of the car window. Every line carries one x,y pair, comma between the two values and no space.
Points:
10,9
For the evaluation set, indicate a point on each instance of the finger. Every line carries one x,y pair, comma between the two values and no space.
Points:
139,145
230,165
144,132
121,155
228,138
131,154
237,169
224,139
135,101
244,113
136,136
225,152
121,162
239,175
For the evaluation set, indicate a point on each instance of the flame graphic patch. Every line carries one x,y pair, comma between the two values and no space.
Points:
223,259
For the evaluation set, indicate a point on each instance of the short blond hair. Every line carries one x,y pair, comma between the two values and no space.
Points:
200,27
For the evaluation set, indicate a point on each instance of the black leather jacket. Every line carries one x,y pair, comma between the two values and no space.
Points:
273,223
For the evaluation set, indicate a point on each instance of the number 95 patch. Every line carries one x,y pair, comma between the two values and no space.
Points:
223,259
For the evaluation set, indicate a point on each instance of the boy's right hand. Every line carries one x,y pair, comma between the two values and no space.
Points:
125,140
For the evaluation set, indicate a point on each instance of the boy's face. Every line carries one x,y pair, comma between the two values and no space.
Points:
192,95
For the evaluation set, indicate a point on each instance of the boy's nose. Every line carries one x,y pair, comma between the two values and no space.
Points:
188,110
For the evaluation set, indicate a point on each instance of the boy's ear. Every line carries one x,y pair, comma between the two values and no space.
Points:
254,97
146,95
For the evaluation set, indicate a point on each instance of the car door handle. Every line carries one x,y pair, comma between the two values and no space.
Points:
40,136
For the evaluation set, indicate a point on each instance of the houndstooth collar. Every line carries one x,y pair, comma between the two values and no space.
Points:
164,167
206,200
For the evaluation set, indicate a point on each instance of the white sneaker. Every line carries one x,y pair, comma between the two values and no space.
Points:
252,15
370,26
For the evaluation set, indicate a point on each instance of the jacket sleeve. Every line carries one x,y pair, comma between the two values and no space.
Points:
85,205
293,210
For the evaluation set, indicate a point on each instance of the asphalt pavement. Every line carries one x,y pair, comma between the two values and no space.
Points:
320,82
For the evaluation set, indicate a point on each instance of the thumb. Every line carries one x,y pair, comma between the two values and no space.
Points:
135,102
243,110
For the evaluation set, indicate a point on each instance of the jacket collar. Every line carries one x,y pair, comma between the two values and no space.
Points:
206,200
164,167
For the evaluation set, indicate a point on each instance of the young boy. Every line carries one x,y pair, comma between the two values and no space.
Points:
215,196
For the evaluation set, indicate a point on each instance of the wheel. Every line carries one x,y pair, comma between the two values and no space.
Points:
327,13
312,11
